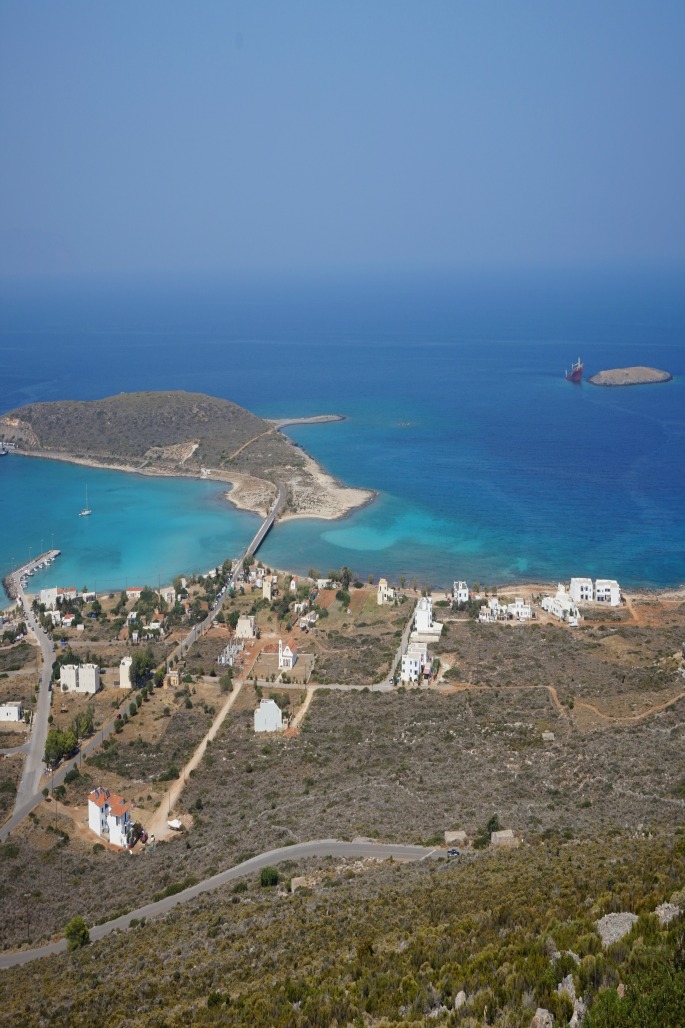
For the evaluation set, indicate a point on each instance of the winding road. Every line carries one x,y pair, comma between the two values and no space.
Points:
318,848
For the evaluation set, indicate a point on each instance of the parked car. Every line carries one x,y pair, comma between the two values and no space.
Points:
453,853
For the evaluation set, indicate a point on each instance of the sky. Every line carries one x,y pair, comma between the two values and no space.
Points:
167,138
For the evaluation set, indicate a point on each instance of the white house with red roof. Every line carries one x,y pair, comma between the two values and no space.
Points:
287,654
134,592
109,816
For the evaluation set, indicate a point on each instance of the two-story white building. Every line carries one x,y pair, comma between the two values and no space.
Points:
604,590
413,662
109,816
83,678
460,592
581,590
607,590
424,625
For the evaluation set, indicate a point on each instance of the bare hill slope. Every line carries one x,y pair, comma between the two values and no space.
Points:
179,433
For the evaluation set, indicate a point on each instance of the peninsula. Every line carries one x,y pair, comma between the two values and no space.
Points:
186,434
629,377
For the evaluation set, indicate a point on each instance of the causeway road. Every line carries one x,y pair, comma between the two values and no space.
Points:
318,848
200,628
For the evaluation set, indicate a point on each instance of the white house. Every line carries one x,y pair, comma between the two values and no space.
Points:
84,678
168,594
88,597
268,717
48,597
68,677
386,593
125,673
423,618
55,617
293,584
287,655
68,620
134,593
323,583
413,662
561,606
460,592
109,816
520,610
70,593
268,589
11,711
580,590
246,628
607,590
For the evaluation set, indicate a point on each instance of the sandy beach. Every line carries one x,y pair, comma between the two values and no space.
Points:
312,492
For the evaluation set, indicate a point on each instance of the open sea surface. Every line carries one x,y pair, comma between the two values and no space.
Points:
488,465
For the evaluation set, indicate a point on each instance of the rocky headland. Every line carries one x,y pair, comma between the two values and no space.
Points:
630,377
185,434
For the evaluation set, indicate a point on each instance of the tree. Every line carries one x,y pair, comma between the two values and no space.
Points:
142,665
76,933
268,877
84,723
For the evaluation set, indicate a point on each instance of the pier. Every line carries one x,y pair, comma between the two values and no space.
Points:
13,579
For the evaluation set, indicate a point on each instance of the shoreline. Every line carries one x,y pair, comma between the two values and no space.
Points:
621,378
331,500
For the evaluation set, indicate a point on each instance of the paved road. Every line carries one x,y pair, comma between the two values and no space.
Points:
33,765
29,791
318,848
404,643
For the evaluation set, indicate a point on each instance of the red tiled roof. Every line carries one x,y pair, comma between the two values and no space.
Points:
99,796
103,797
118,806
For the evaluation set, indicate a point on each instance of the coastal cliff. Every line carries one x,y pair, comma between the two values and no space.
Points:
630,377
183,434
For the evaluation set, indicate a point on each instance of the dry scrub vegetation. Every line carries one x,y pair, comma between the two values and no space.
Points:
393,945
402,766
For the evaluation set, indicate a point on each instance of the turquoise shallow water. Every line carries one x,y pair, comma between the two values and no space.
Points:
142,530
488,465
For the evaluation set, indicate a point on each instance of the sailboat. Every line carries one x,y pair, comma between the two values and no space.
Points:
86,510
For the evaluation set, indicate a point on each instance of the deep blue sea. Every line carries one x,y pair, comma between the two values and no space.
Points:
488,465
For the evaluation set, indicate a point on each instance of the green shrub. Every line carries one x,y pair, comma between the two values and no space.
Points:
76,933
268,877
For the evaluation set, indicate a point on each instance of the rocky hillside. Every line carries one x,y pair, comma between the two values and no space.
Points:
179,433
188,428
